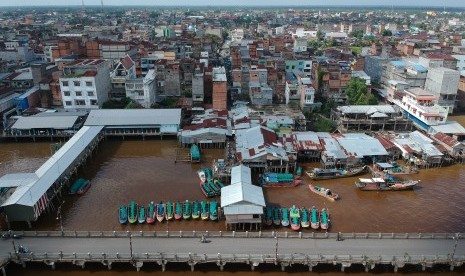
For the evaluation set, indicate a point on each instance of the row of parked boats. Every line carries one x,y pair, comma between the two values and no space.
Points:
134,213
210,187
297,218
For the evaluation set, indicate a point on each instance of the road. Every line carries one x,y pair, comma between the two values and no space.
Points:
368,247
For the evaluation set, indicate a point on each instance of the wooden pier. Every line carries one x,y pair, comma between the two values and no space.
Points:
282,249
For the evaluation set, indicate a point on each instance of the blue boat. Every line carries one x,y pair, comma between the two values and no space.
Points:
123,214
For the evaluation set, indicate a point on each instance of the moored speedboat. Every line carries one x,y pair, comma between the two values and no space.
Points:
79,185
315,218
204,211
276,216
141,215
285,217
151,213
196,210
294,213
178,210
268,216
123,214
319,174
304,218
213,210
324,192
187,210
169,210
84,187
160,211
202,176
132,212
324,219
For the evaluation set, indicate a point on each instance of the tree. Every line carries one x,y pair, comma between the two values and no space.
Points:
387,33
357,93
320,35
357,34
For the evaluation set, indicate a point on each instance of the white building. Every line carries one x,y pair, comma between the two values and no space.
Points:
460,62
237,35
444,83
124,70
307,92
421,107
142,90
85,84
300,45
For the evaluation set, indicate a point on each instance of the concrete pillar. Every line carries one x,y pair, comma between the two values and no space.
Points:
192,267
252,267
53,266
3,271
396,268
163,267
109,265
367,268
283,267
423,267
451,267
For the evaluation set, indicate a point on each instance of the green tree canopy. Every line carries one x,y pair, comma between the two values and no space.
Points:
357,93
387,33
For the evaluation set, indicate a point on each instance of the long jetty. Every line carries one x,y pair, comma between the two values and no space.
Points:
282,249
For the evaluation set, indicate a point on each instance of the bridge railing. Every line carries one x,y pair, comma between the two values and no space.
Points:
246,258
233,234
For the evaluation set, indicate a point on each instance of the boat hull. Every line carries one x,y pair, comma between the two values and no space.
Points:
354,172
84,189
332,197
292,184
295,227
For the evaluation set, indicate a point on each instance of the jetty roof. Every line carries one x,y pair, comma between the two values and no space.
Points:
42,122
134,117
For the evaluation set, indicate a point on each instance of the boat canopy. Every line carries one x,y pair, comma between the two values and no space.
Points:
384,165
366,180
378,180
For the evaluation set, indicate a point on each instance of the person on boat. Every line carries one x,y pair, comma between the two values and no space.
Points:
203,239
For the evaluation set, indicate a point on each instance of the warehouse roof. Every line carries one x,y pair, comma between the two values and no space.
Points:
360,145
136,117
241,194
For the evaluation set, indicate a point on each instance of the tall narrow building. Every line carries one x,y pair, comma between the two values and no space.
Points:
220,88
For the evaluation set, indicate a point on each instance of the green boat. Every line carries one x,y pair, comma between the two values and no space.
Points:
315,222
208,174
213,210
178,210
305,218
206,190
187,210
268,216
195,153
298,172
276,216
141,217
285,217
151,213
204,213
295,218
218,183
123,214
324,219
78,185
196,210
132,212
215,189
169,211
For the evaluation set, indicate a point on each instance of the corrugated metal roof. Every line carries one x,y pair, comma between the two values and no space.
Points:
417,142
242,194
241,174
35,122
366,109
360,145
17,179
449,128
133,117
53,168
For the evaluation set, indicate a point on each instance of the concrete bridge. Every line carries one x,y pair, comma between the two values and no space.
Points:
253,248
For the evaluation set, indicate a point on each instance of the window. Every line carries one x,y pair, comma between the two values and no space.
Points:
78,94
90,93
67,93
80,102
68,103
65,83
77,83
89,83
93,102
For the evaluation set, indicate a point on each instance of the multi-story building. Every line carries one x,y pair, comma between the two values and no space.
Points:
142,90
436,60
307,93
219,88
443,82
116,50
411,73
85,84
460,62
198,86
124,70
422,108
334,76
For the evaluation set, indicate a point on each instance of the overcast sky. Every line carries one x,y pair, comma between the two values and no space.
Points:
452,3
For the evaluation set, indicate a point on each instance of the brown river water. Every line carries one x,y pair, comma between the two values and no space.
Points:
145,171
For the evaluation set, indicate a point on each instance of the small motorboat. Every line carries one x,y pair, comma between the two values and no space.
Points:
276,216
169,210
141,216
132,212
294,213
84,187
315,219
202,176
151,213
285,217
268,216
178,210
160,211
324,192
304,218
187,210
324,219
196,210
320,174
213,210
123,214
204,210
80,184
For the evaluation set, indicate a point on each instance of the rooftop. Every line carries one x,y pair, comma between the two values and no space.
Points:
133,117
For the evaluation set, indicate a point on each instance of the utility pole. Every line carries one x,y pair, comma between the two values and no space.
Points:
59,216
130,247
456,239
276,246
